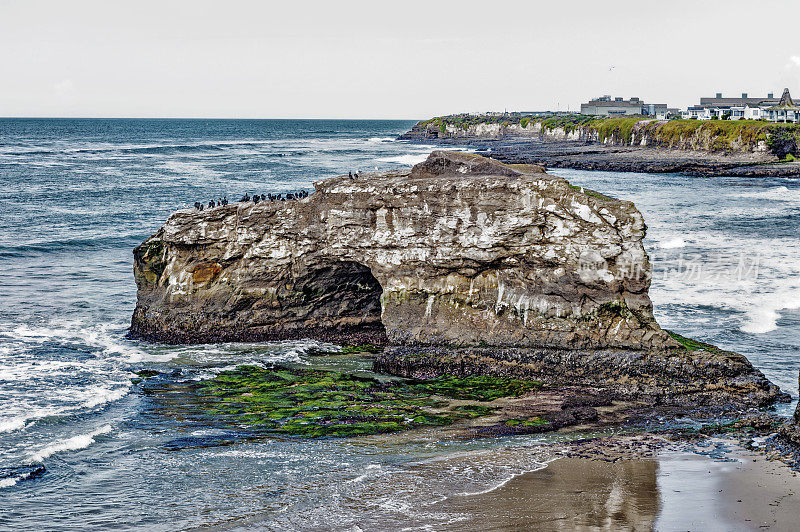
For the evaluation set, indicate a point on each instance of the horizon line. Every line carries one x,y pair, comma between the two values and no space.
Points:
180,118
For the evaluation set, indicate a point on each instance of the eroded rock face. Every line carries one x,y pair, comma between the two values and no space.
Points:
791,429
462,250
513,270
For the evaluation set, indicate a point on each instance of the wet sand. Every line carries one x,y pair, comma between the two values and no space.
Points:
677,490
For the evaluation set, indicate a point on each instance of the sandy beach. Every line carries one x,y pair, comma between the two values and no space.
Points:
676,490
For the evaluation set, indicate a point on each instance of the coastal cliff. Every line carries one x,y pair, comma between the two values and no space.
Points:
462,265
742,148
737,136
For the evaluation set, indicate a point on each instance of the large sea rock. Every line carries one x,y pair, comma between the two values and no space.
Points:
460,265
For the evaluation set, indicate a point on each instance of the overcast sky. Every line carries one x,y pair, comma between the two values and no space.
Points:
409,59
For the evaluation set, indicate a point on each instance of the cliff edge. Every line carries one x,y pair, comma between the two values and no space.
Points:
497,268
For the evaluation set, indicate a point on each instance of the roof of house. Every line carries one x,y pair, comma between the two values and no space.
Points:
786,102
729,102
606,103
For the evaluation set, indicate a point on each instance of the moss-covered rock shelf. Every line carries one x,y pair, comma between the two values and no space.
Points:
317,403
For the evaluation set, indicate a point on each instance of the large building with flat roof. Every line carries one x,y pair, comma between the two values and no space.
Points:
606,106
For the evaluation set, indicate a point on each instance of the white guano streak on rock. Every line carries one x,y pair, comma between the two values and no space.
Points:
585,212
181,286
500,289
429,306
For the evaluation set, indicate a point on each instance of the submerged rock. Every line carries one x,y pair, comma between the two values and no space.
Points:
526,273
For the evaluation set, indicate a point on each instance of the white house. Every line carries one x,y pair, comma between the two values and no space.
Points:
785,111
737,113
744,108
699,112
753,112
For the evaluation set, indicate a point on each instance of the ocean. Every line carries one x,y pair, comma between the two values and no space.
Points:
82,447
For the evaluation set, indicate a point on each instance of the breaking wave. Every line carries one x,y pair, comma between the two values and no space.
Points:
765,311
408,159
673,243
74,443
12,424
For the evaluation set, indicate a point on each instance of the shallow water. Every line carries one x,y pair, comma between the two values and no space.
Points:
78,195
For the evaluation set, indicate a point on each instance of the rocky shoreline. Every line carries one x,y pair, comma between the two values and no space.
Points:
585,155
621,144
464,270
470,266
704,377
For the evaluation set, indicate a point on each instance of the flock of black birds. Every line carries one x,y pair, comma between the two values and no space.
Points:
255,198
263,197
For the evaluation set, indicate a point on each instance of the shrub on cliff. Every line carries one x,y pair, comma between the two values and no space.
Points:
782,142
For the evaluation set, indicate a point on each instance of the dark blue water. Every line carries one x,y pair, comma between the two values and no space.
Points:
77,195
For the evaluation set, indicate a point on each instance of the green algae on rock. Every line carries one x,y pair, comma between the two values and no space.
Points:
366,349
694,345
532,422
317,403
477,387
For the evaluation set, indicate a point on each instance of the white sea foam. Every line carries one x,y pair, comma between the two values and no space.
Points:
763,316
673,243
100,395
23,370
12,424
100,336
780,193
509,478
23,413
408,159
756,277
28,472
371,471
40,387
74,443
381,139
232,354
8,482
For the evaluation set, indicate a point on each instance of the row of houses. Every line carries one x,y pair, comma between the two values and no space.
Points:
773,109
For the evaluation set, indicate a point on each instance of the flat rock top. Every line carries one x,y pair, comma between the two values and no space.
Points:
459,164
446,171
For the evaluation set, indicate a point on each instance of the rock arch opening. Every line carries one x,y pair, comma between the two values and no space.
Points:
344,303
